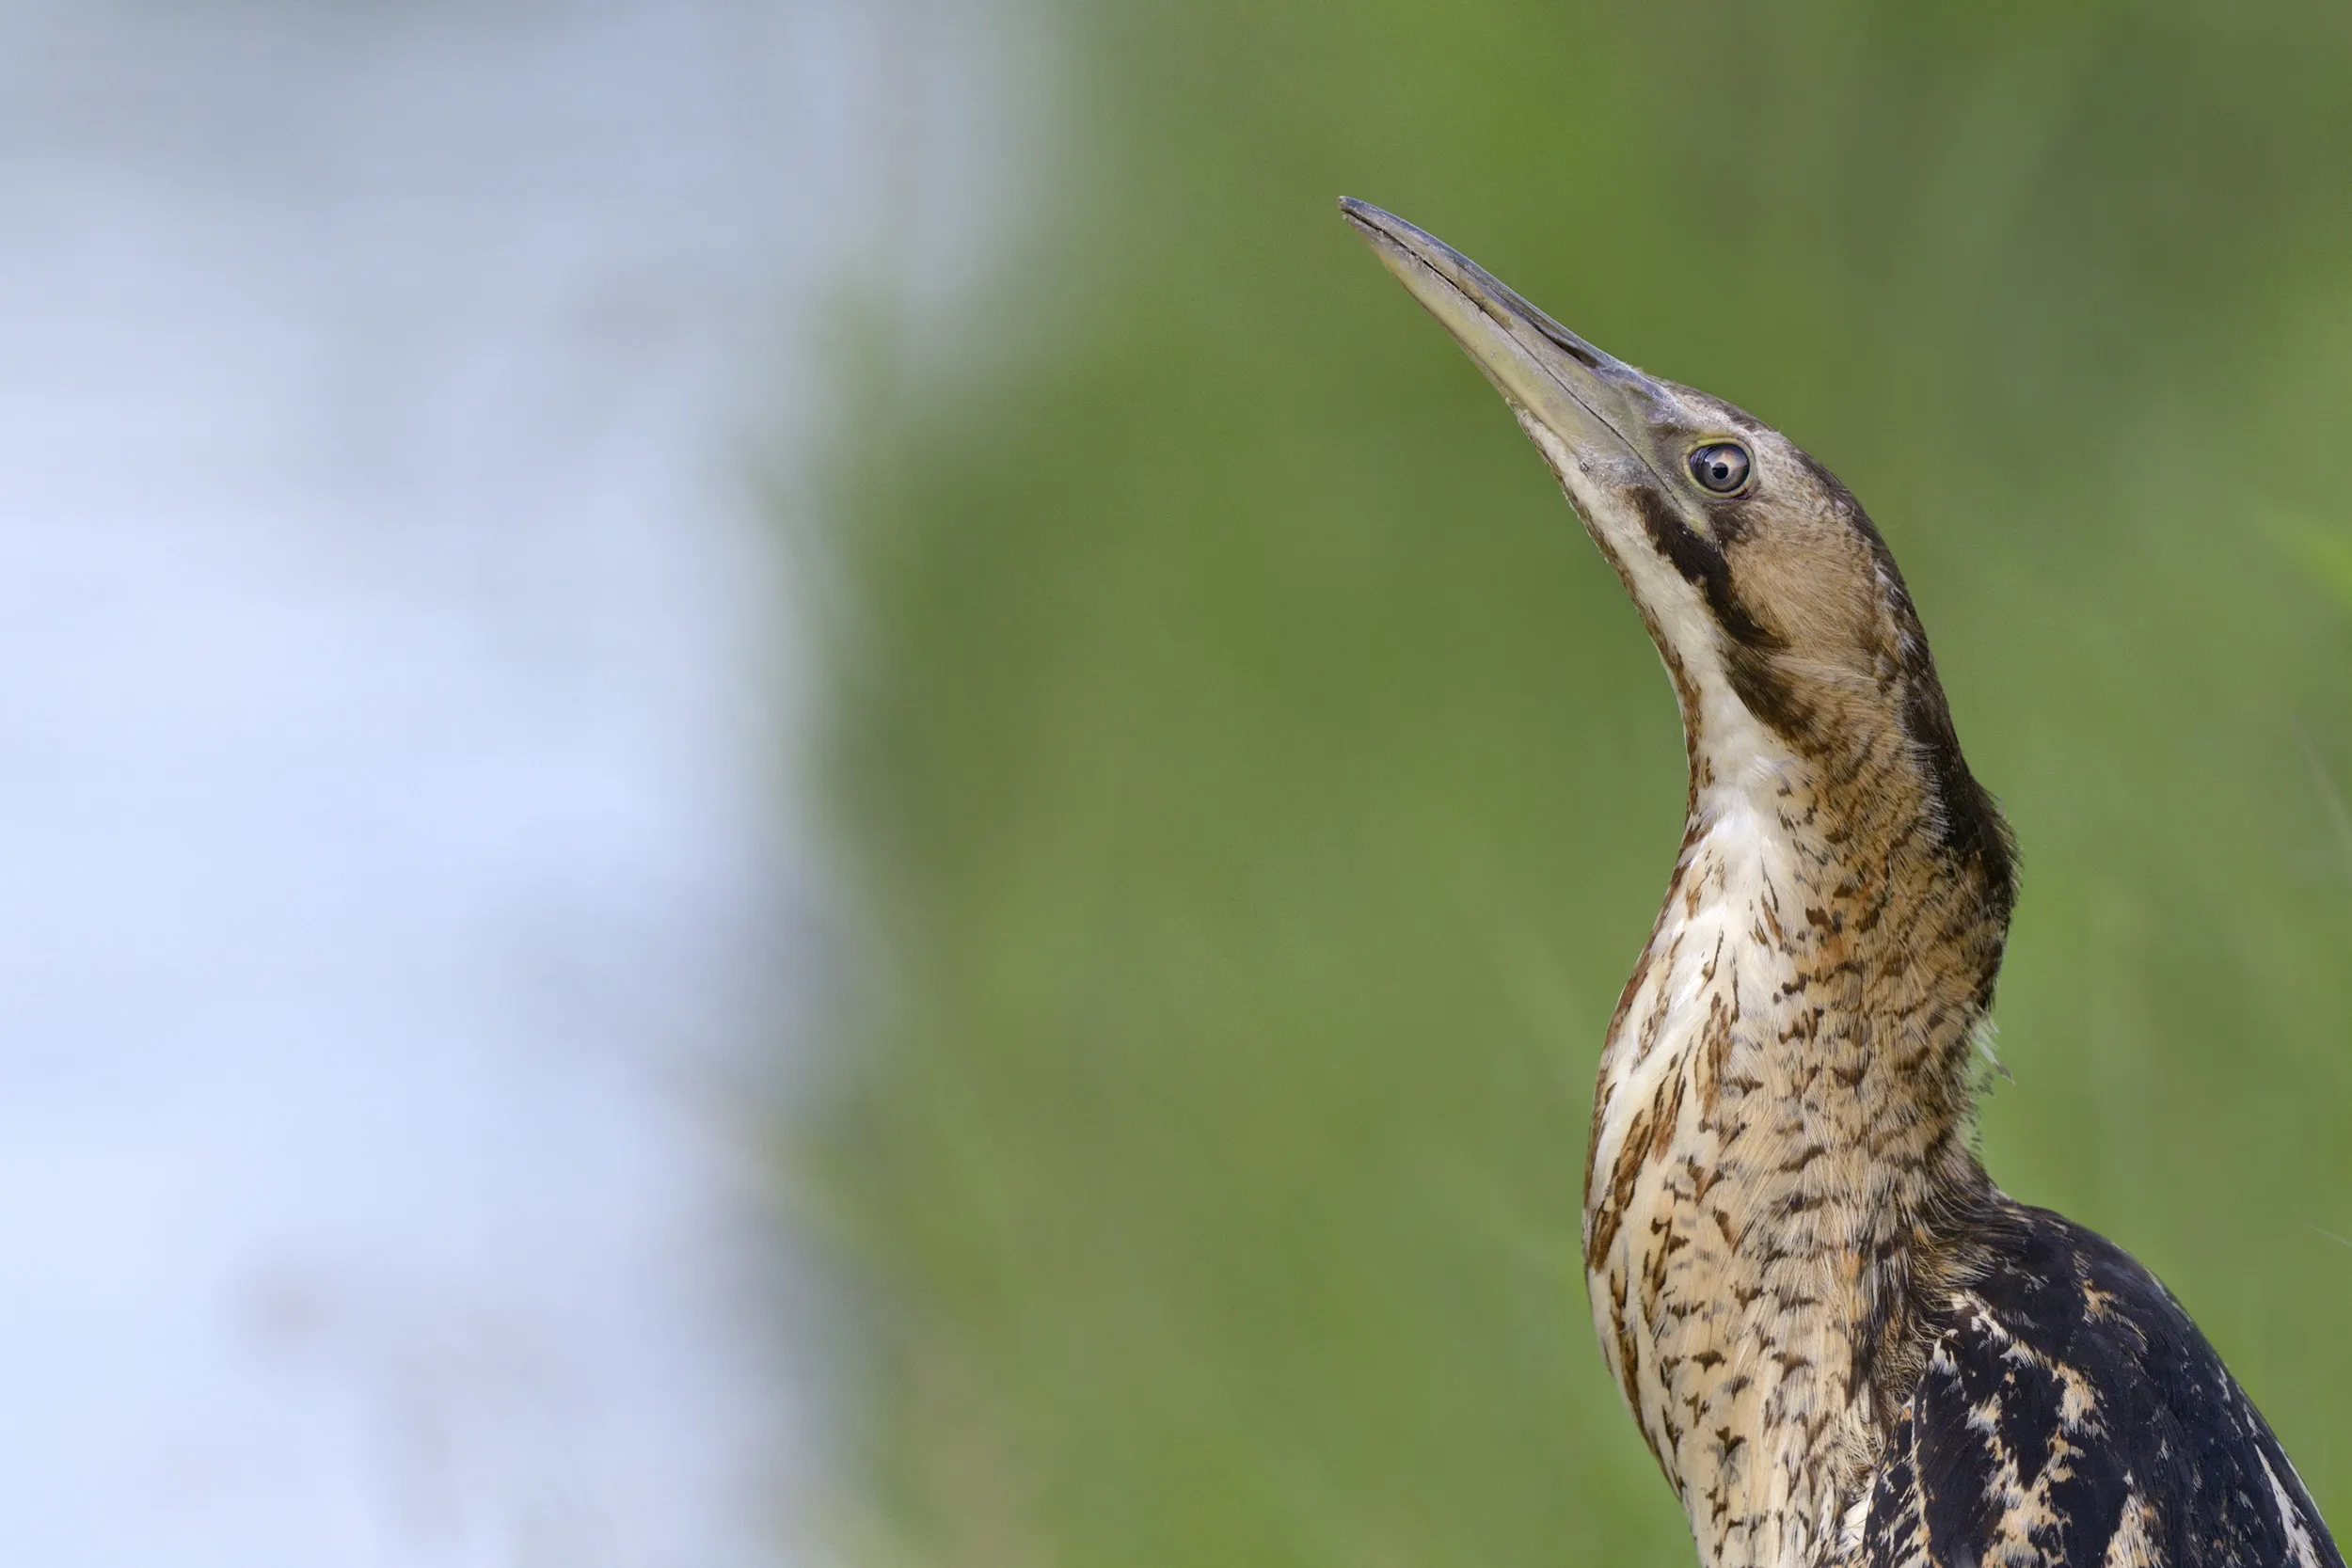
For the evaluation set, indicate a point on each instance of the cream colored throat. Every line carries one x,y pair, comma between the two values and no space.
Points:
1755,1138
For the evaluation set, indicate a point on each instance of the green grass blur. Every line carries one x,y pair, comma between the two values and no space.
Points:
1254,790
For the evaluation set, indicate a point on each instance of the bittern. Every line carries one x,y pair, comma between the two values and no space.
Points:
1843,1343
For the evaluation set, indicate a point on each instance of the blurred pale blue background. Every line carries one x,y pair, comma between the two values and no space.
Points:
402,896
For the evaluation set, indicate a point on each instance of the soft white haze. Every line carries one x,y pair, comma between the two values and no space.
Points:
403,914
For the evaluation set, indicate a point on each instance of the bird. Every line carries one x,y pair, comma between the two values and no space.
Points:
1845,1346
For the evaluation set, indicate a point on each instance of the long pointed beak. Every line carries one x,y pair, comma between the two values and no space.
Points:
1590,402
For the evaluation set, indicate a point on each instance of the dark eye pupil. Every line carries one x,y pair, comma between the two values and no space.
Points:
1722,468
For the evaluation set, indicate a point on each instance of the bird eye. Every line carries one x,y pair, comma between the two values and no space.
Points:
1721,467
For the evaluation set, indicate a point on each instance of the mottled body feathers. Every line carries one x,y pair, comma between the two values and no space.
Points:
2069,1412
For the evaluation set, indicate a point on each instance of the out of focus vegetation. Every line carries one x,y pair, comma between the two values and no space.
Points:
1256,789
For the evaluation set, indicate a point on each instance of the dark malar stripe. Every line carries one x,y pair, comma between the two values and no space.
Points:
1702,564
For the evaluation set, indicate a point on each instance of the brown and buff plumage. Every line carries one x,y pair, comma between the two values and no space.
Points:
1843,1344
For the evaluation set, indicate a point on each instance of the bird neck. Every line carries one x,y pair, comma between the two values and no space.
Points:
1780,1144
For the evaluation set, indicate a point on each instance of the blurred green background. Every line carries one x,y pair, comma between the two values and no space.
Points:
1254,790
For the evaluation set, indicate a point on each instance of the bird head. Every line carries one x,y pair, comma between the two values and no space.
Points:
1776,605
